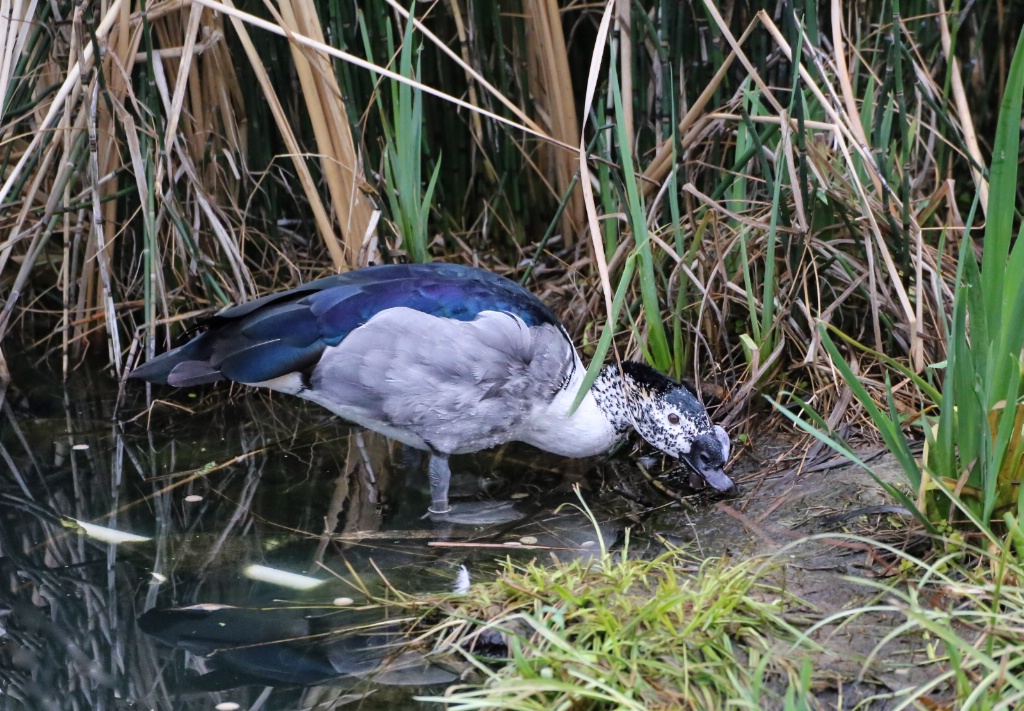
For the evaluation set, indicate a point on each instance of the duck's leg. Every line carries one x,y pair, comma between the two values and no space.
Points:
475,513
440,476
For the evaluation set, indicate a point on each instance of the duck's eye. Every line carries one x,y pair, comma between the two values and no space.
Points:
673,418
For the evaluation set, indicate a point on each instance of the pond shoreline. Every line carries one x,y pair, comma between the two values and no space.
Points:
254,479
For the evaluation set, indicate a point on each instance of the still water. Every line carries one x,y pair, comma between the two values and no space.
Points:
260,526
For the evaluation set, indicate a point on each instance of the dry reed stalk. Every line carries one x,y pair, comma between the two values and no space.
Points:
585,182
104,298
843,76
463,35
200,108
181,81
71,83
118,64
691,124
473,76
802,223
963,109
320,214
65,280
339,159
844,135
553,96
318,46
14,33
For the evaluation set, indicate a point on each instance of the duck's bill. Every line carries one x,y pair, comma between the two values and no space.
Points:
717,479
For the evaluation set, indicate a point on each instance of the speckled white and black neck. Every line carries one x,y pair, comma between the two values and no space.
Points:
609,391
640,397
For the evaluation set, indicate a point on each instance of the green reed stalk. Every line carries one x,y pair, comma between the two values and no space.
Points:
637,213
403,154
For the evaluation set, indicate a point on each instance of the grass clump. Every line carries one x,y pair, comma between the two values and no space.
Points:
622,632
967,608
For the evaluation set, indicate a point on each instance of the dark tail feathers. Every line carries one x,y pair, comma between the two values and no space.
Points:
182,367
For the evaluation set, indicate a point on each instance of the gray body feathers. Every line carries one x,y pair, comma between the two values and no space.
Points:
443,385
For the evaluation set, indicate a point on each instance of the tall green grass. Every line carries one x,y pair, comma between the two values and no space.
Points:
404,148
973,460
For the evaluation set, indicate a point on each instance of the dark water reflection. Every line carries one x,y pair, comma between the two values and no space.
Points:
218,481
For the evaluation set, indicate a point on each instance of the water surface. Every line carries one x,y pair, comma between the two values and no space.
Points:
218,480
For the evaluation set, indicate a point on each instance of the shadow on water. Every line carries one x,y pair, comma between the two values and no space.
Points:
217,485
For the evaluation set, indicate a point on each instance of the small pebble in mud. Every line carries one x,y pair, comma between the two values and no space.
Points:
343,601
528,540
193,498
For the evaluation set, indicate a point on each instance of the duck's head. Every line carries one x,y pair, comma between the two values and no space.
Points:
670,417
